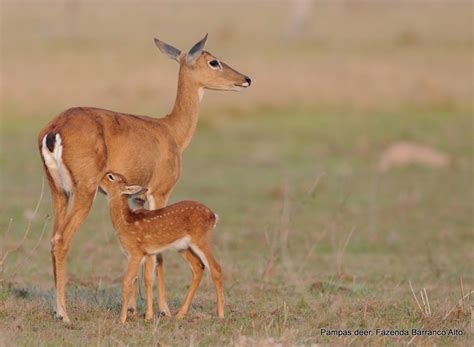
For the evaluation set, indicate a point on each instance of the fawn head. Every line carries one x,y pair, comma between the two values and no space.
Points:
115,184
204,68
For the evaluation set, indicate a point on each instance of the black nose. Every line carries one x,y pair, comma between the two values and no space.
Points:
248,80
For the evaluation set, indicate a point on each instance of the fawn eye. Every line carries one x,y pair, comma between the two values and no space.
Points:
215,64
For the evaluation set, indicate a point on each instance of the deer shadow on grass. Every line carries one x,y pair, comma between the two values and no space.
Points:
100,296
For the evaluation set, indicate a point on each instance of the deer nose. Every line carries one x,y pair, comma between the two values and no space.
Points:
248,80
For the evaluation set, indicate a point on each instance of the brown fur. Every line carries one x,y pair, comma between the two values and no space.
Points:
143,232
146,150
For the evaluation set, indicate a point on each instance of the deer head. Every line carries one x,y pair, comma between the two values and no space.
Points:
206,70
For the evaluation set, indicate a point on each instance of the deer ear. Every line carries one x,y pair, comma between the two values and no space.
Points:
195,51
167,49
133,190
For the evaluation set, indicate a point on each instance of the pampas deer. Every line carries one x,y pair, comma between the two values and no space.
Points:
185,226
83,143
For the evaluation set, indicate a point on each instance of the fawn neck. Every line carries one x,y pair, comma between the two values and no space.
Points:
184,116
119,210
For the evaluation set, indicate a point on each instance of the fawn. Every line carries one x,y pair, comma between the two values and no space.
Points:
185,226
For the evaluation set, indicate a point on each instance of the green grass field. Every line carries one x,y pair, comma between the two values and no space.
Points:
311,235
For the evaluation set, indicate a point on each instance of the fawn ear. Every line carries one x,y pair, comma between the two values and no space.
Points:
167,49
133,190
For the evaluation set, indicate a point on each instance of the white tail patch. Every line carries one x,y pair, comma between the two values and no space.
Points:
200,254
56,167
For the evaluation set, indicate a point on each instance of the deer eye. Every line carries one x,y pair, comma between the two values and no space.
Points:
215,64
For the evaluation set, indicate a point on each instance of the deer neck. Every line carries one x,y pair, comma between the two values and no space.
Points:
184,116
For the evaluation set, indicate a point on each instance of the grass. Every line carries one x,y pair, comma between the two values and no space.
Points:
281,288
311,235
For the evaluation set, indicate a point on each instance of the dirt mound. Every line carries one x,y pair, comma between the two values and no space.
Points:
403,153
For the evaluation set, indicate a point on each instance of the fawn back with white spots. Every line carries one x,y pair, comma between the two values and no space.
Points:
184,226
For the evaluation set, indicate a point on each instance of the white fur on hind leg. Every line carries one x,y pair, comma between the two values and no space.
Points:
200,254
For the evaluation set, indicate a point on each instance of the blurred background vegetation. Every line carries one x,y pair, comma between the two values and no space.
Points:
344,171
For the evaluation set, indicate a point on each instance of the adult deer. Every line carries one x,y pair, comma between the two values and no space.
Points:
81,144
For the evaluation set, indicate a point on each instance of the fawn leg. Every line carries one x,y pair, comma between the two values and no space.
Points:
198,268
132,304
160,278
149,267
216,274
158,201
129,279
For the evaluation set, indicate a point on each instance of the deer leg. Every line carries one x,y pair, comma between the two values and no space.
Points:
81,205
129,279
216,274
198,268
149,267
60,203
